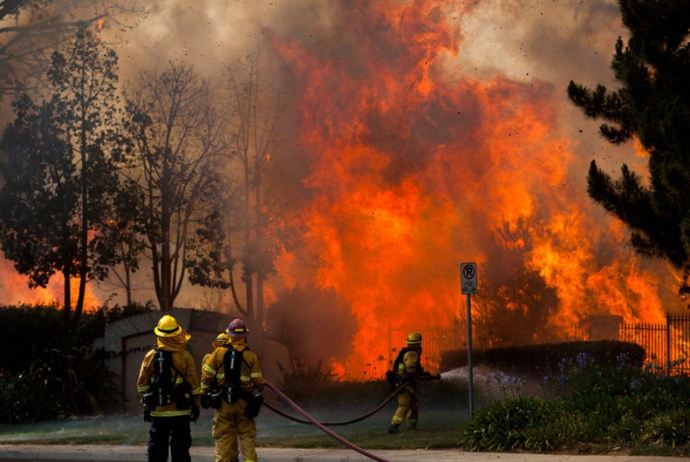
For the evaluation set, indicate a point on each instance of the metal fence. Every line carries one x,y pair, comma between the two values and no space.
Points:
667,345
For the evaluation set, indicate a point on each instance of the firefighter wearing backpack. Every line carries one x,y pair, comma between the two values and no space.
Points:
407,368
169,388
212,396
236,368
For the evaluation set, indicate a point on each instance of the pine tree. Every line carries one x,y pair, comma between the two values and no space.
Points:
653,106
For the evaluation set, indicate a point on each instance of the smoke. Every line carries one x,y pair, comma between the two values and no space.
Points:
212,33
316,325
423,133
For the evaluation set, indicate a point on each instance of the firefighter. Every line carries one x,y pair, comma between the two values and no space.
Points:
236,369
220,341
407,367
212,395
169,388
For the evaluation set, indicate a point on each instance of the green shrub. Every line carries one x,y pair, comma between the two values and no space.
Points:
564,431
610,402
626,432
60,383
667,429
503,425
27,331
43,375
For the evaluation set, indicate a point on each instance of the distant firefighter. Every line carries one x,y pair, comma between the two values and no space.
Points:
407,368
212,396
169,389
236,371
220,341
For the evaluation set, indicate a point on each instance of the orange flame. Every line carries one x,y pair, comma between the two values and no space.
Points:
416,167
14,289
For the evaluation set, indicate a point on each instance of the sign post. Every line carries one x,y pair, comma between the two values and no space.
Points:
468,279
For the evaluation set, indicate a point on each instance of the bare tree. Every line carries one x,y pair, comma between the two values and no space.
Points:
247,230
178,140
30,30
255,104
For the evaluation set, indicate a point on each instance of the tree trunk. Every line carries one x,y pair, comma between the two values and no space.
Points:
259,251
248,267
67,293
83,269
165,257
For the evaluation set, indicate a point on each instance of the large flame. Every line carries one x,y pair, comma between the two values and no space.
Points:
417,167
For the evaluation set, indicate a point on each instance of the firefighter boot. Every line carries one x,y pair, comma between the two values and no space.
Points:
394,428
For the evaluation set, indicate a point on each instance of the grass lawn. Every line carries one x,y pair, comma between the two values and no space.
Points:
438,429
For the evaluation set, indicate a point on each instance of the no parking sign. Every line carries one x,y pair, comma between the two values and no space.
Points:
468,275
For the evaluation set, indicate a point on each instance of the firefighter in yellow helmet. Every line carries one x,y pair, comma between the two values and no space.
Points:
220,341
169,388
237,370
407,367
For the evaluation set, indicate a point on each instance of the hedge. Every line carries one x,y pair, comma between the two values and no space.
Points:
545,358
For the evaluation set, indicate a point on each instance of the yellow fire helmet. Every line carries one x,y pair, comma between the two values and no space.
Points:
221,340
414,338
167,327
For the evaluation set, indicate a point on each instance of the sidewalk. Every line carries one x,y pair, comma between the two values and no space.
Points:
104,453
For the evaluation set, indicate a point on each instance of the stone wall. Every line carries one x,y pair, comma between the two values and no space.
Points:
129,339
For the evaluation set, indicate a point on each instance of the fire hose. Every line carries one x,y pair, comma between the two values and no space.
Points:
322,427
346,422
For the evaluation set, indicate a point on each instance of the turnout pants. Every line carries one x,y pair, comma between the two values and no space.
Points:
408,408
173,431
229,425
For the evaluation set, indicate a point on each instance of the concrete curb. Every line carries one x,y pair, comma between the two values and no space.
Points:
106,453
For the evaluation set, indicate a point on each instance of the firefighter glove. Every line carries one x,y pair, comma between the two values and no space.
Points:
195,414
147,415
